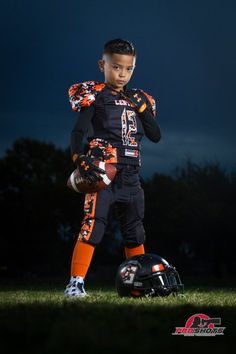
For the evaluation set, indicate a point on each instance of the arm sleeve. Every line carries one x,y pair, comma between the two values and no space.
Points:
150,126
80,129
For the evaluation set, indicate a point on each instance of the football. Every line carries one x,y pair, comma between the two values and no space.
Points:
80,185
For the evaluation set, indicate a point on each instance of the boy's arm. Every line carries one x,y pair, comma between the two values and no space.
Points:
146,109
150,126
81,97
84,163
79,131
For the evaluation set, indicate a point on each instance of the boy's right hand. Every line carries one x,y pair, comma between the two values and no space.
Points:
87,169
138,99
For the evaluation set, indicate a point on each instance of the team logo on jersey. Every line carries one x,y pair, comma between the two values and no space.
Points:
122,103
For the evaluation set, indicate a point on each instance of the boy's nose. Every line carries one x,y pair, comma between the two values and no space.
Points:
122,73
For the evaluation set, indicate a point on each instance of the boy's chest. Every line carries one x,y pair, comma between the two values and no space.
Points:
116,114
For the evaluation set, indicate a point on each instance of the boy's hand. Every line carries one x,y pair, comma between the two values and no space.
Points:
87,169
138,99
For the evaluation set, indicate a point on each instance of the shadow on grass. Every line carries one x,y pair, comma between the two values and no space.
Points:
78,326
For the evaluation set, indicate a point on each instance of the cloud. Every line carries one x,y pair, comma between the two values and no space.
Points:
176,147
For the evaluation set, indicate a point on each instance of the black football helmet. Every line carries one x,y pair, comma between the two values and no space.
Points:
147,275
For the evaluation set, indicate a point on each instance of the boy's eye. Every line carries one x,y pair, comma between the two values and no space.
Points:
116,67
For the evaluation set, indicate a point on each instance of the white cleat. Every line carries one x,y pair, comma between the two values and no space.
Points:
75,288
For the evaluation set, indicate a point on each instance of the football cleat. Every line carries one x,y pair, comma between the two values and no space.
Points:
75,288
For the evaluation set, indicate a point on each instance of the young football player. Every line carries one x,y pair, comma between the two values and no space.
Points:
114,118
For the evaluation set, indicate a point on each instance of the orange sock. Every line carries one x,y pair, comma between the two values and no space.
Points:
130,252
81,259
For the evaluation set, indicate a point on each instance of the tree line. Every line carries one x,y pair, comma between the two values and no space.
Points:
189,219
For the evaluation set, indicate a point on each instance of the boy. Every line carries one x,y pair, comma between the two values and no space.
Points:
114,119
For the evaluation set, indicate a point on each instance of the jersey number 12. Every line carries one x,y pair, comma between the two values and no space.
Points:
129,126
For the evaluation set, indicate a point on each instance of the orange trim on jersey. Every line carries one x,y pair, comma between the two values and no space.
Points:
99,87
151,101
142,108
84,94
135,251
72,90
112,153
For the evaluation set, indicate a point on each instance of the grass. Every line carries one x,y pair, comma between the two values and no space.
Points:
37,319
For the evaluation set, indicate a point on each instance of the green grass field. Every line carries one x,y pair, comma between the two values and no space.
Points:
36,318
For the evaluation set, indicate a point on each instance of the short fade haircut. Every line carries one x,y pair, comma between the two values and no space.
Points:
119,46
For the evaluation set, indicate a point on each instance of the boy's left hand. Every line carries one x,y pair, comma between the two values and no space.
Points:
138,99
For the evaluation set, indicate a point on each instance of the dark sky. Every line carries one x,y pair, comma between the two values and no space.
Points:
186,60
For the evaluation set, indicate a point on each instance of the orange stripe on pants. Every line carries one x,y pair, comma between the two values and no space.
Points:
89,213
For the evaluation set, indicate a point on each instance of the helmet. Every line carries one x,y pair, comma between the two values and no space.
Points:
147,275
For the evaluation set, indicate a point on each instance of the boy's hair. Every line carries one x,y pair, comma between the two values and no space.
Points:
119,46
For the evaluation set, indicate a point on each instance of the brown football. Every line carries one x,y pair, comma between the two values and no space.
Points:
80,185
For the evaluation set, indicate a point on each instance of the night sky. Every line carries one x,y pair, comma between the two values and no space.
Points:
186,60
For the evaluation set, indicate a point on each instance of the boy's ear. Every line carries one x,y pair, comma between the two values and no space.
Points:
101,64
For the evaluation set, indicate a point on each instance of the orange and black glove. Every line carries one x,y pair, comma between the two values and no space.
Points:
87,168
138,99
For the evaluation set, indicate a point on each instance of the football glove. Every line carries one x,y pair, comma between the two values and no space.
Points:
138,99
88,170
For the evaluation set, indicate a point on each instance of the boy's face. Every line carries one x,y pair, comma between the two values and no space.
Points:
118,69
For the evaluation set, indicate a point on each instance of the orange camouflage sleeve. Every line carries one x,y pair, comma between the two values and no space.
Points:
84,94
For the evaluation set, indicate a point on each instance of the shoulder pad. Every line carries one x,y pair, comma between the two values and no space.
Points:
84,94
151,102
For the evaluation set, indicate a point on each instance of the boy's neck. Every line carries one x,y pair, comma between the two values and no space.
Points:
115,89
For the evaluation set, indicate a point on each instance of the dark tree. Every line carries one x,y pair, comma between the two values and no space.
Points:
189,218
38,211
193,215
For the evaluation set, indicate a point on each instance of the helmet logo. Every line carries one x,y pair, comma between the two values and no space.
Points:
157,267
127,274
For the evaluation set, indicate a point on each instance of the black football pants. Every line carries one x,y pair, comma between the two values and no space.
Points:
126,195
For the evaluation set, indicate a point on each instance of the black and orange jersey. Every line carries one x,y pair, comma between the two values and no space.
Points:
106,114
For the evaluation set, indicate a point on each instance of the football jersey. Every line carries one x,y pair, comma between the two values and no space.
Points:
115,119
